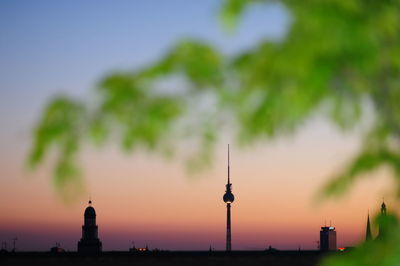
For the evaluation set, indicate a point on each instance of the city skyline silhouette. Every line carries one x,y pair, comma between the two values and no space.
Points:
90,243
138,224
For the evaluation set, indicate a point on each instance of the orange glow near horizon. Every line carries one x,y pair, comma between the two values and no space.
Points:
149,200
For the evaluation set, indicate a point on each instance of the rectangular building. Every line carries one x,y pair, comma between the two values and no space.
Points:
327,238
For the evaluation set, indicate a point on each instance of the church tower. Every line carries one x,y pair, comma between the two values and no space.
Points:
382,223
228,199
89,242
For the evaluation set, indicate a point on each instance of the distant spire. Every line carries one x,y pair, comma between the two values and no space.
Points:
368,234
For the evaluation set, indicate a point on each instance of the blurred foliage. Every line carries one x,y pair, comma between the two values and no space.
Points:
138,115
61,128
340,59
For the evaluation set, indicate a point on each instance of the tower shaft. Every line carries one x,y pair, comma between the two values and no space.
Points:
228,227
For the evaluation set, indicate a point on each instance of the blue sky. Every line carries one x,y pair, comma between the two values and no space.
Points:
64,47
52,45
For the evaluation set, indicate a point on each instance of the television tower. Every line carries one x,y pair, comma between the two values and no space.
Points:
228,199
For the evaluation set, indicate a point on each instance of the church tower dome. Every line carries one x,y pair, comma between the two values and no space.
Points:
90,211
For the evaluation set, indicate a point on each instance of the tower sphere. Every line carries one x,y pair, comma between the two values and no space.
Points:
228,197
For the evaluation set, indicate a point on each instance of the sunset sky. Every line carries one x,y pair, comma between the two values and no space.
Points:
49,48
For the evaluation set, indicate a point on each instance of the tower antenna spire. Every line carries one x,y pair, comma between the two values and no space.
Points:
229,172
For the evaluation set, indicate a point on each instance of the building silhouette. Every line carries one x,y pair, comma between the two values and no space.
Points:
327,238
57,249
89,242
228,199
382,224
